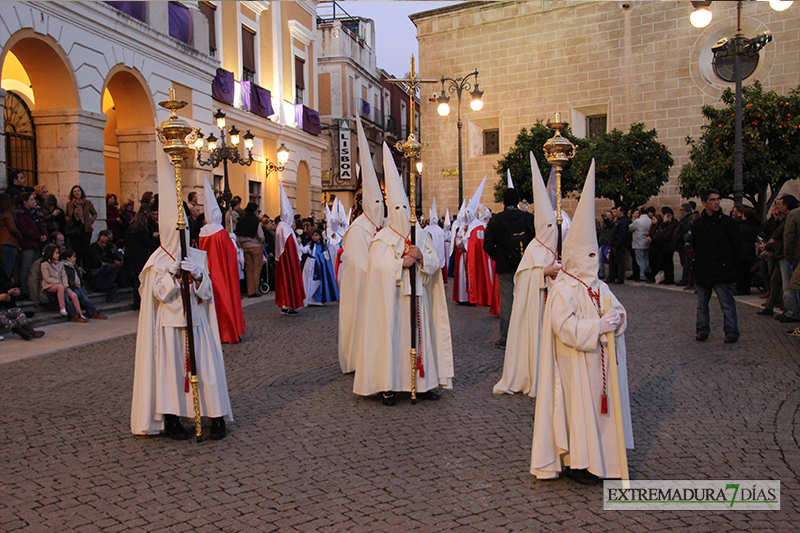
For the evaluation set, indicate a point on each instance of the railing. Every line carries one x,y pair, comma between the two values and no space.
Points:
367,111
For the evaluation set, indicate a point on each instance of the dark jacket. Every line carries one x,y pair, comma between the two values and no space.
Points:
683,227
31,228
775,242
604,237
619,234
717,243
662,237
138,247
499,242
749,230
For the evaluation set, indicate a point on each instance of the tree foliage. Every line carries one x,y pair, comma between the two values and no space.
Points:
630,167
770,146
518,159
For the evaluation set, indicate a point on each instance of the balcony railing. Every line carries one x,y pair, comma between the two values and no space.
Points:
368,112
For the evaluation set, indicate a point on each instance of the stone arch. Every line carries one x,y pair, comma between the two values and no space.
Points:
129,139
303,189
51,75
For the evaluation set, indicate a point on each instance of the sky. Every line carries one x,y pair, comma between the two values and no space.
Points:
395,34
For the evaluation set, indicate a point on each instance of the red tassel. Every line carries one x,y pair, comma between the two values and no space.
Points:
186,383
603,404
420,367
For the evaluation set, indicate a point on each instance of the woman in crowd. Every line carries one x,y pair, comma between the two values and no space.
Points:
57,220
128,213
114,220
34,234
250,237
10,237
80,217
140,243
74,274
54,280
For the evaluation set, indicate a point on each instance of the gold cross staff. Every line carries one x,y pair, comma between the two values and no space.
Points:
411,149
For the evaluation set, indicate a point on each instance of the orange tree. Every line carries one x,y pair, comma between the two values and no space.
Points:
630,168
770,146
518,160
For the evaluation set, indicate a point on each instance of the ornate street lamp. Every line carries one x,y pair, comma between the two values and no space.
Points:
740,48
223,153
458,85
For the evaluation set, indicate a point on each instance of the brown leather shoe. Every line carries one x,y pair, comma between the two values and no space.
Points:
98,316
78,318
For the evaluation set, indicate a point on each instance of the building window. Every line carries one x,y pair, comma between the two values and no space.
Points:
210,12
217,183
248,54
596,126
491,141
299,80
403,121
20,135
254,192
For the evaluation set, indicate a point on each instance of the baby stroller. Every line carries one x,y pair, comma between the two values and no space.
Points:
263,283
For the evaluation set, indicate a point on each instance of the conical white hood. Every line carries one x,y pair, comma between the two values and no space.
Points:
544,218
213,213
462,213
551,186
510,183
396,199
472,207
447,222
168,216
434,216
287,213
334,220
371,196
580,255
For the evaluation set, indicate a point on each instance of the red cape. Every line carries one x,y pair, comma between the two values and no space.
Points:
457,281
289,291
480,283
224,272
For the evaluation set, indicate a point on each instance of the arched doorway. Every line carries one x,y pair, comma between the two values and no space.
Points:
20,137
129,151
37,72
303,189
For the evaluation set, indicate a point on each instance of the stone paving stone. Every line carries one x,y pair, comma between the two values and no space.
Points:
305,454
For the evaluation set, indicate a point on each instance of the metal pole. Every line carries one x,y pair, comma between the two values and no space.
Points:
738,163
460,164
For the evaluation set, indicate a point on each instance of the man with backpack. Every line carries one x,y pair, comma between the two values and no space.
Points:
507,235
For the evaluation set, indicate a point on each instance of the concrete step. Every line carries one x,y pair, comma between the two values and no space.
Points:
47,314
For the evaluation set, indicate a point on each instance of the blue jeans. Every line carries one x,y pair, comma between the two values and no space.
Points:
643,260
726,302
102,281
790,296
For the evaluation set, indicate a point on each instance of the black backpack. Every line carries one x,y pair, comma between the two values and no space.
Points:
517,237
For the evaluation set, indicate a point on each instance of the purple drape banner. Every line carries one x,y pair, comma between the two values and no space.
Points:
307,119
181,26
222,87
365,109
134,9
256,99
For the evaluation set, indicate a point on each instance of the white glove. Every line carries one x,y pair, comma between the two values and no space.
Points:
175,267
190,266
610,321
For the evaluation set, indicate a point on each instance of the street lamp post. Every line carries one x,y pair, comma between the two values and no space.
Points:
222,152
458,85
740,47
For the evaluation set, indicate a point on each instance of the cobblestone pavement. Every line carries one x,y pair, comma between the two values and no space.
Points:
306,454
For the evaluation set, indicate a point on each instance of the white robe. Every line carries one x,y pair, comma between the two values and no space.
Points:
461,241
569,429
437,236
386,365
525,325
309,283
159,372
352,284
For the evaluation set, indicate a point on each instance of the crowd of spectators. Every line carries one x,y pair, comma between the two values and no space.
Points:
765,254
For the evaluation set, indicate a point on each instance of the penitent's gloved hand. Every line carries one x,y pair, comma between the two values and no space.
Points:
175,267
190,266
610,321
